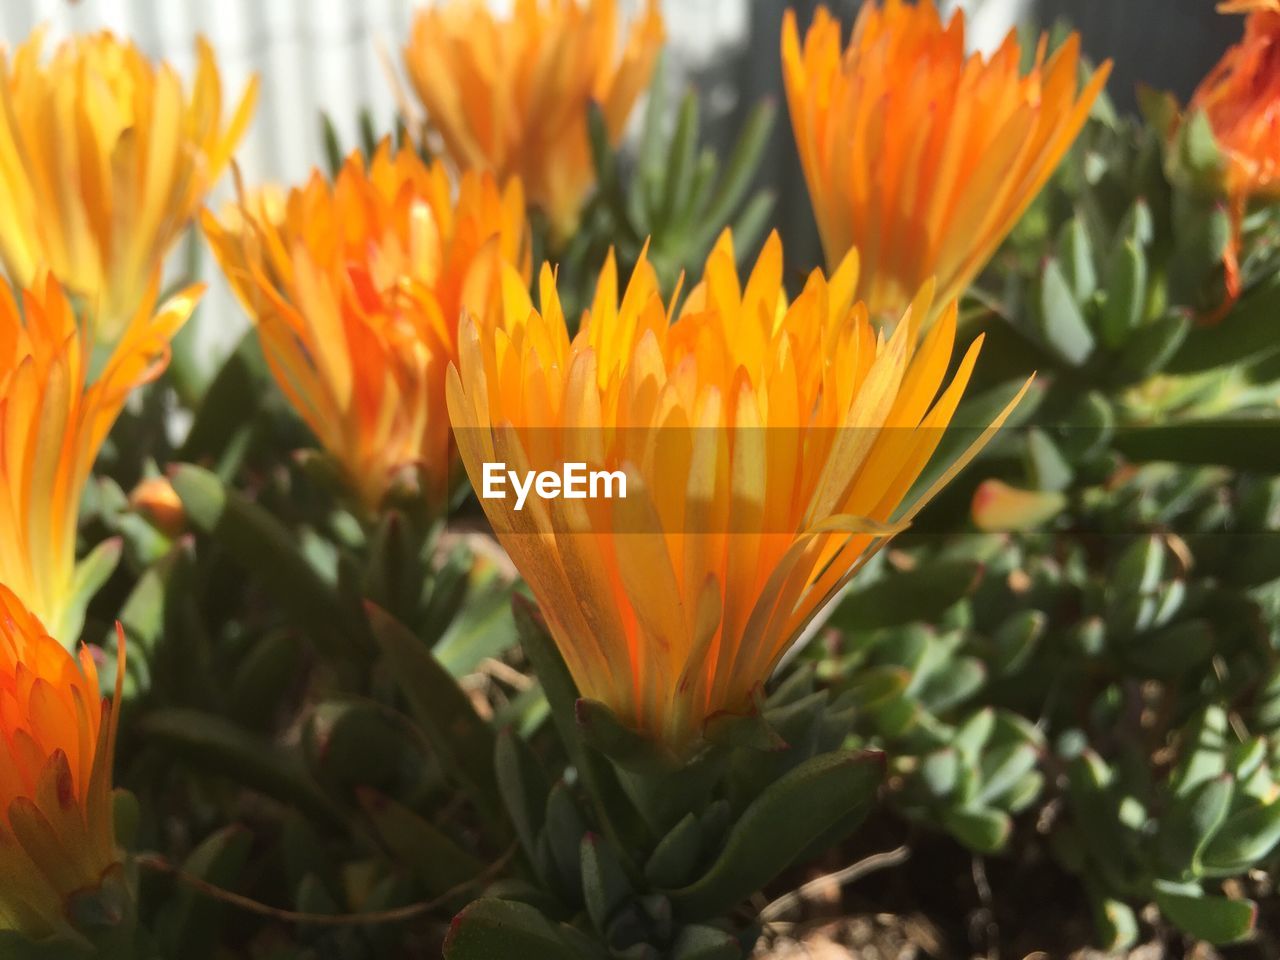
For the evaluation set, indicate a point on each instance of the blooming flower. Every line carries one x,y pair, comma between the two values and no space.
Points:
920,155
1240,98
57,741
356,288
768,449
104,159
511,96
53,418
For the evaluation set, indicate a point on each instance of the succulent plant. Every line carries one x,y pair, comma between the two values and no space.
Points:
637,854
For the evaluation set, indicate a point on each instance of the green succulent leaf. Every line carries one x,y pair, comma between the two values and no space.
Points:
604,883
483,628
1050,470
921,594
958,683
265,547
188,923
940,771
604,732
1016,639
697,942
1117,925
1003,768
262,677
438,863
1218,920
828,791
1244,839
1246,334
973,734
1238,442
981,829
1062,322
677,854
218,746
739,171
524,788
438,705
1197,150
1206,742
563,832
1151,346
1192,821
1126,294
1075,253
620,818
332,145
223,420
492,929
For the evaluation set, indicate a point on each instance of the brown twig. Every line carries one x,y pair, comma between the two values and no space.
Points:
985,916
497,670
855,871
161,864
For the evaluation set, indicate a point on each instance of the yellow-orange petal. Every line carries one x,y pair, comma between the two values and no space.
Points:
55,414
509,95
356,288
104,160
917,153
57,738
768,447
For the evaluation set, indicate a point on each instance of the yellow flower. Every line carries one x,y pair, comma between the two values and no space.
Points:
767,448
356,288
511,96
104,160
57,741
921,156
53,419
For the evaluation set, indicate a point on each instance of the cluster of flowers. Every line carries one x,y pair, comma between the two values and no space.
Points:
395,310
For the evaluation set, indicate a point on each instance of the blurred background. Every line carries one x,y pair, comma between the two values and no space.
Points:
333,55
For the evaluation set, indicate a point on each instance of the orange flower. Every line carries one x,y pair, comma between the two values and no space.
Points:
511,96
104,159
356,288
1240,98
767,447
53,419
918,154
57,742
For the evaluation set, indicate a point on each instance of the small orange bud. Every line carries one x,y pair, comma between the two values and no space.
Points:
156,500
